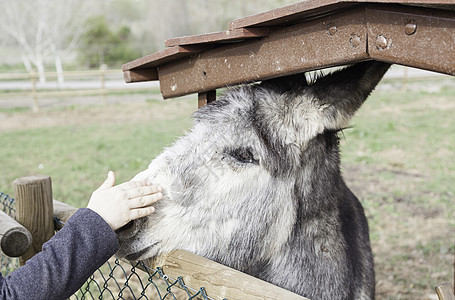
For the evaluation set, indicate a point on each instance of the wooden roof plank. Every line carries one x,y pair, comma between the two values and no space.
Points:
161,57
238,34
297,11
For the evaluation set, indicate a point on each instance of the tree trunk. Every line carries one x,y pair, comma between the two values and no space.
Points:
27,64
59,70
39,63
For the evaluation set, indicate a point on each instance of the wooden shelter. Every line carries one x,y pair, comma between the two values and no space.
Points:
304,36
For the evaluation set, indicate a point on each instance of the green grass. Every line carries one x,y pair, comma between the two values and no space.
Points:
78,157
402,148
406,131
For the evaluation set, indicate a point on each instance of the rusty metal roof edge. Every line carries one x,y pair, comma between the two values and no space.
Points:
155,59
179,86
185,52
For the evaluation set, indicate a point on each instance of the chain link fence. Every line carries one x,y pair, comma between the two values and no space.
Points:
116,279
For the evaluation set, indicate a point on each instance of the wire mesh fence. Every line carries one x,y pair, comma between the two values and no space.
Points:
116,279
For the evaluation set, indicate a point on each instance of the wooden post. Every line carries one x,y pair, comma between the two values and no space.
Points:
34,210
206,97
15,239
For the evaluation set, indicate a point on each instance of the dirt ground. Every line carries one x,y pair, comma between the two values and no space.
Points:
61,113
405,262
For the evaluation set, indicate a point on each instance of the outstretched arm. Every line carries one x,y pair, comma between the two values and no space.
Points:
86,241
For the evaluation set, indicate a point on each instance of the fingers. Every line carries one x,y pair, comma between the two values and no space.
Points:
143,190
146,200
111,178
132,184
109,182
141,212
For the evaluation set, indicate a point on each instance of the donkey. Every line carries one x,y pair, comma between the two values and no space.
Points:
256,185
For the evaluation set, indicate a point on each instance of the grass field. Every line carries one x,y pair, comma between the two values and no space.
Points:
398,158
77,146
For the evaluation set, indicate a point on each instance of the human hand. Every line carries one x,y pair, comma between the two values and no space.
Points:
128,201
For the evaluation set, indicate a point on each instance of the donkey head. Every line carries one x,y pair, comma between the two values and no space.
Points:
233,184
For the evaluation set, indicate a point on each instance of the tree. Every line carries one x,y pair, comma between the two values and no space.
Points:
46,31
100,45
42,29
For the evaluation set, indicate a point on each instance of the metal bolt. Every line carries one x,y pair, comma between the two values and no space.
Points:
411,27
332,29
355,40
381,42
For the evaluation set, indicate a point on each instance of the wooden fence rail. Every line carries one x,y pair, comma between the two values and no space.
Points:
15,238
35,91
36,210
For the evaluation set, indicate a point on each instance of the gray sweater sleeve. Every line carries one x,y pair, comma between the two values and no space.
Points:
67,260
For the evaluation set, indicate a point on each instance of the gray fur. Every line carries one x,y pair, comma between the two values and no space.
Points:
256,185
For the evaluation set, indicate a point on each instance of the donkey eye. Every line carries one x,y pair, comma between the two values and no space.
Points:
243,155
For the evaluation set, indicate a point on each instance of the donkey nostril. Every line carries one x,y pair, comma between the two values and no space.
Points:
126,227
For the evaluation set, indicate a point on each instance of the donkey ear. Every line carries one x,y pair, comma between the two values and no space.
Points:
340,94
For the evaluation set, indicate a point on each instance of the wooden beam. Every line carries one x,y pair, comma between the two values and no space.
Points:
63,211
219,281
15,239
206,97
332,40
